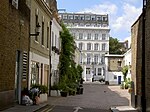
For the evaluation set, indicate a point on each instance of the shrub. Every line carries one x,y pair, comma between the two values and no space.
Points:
55,87
122,86
42,88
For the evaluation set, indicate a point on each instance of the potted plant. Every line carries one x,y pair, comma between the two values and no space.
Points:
55,90
63,89
42,92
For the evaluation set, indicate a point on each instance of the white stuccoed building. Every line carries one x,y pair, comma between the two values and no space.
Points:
91,33
55,51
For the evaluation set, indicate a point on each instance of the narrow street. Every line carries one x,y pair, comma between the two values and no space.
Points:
96,98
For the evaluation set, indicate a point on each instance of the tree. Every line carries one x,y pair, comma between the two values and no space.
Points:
114,46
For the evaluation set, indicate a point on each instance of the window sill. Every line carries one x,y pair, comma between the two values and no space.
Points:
43,46
36,41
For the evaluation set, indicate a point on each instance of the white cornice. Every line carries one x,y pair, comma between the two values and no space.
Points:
45,7
89,28
57,24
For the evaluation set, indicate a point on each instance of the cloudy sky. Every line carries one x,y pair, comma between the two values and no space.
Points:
122,13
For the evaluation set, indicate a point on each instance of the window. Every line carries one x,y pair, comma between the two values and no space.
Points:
80,35
98,18
64,16
103,47
80,46
104,18
88,58
41,73
92,17
34,72
82,17
36,23
99,71
52,38
103,59
94,71
87,17
95,58
47,37
76,17
42,39
87,70
96,46
119,63
70,17
88,46
89,36
96,37
103,36
115,76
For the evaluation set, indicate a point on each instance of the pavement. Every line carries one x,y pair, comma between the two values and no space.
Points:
96,97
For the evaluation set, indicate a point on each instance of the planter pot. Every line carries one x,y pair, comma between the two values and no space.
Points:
81,90
55,93
72,93
78,91
63,93
43,98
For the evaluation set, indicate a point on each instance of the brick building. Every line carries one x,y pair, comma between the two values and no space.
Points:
147,55
136,49
140,97
14,48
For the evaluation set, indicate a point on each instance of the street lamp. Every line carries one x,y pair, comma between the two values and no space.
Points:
37,30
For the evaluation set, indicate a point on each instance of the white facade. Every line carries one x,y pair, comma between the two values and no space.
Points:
113,76
55,45
91,33
127,61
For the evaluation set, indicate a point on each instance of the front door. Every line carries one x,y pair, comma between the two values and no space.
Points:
119,79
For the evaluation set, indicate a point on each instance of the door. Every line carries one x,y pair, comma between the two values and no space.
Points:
18,72
119,79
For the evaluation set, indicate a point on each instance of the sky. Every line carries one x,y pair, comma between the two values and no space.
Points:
122,13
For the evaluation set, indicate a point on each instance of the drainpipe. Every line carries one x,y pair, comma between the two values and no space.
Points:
143,98
50,65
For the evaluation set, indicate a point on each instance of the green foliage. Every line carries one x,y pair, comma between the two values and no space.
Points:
67,67
124,72
55,87
42,88
126,84
114,46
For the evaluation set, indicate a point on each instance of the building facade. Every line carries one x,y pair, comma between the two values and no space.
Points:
91,34
136,69
114,64
55,50
14,50
40,45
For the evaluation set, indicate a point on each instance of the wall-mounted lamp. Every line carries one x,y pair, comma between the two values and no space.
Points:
37,30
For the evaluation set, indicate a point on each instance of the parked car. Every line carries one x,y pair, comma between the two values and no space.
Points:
98,78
